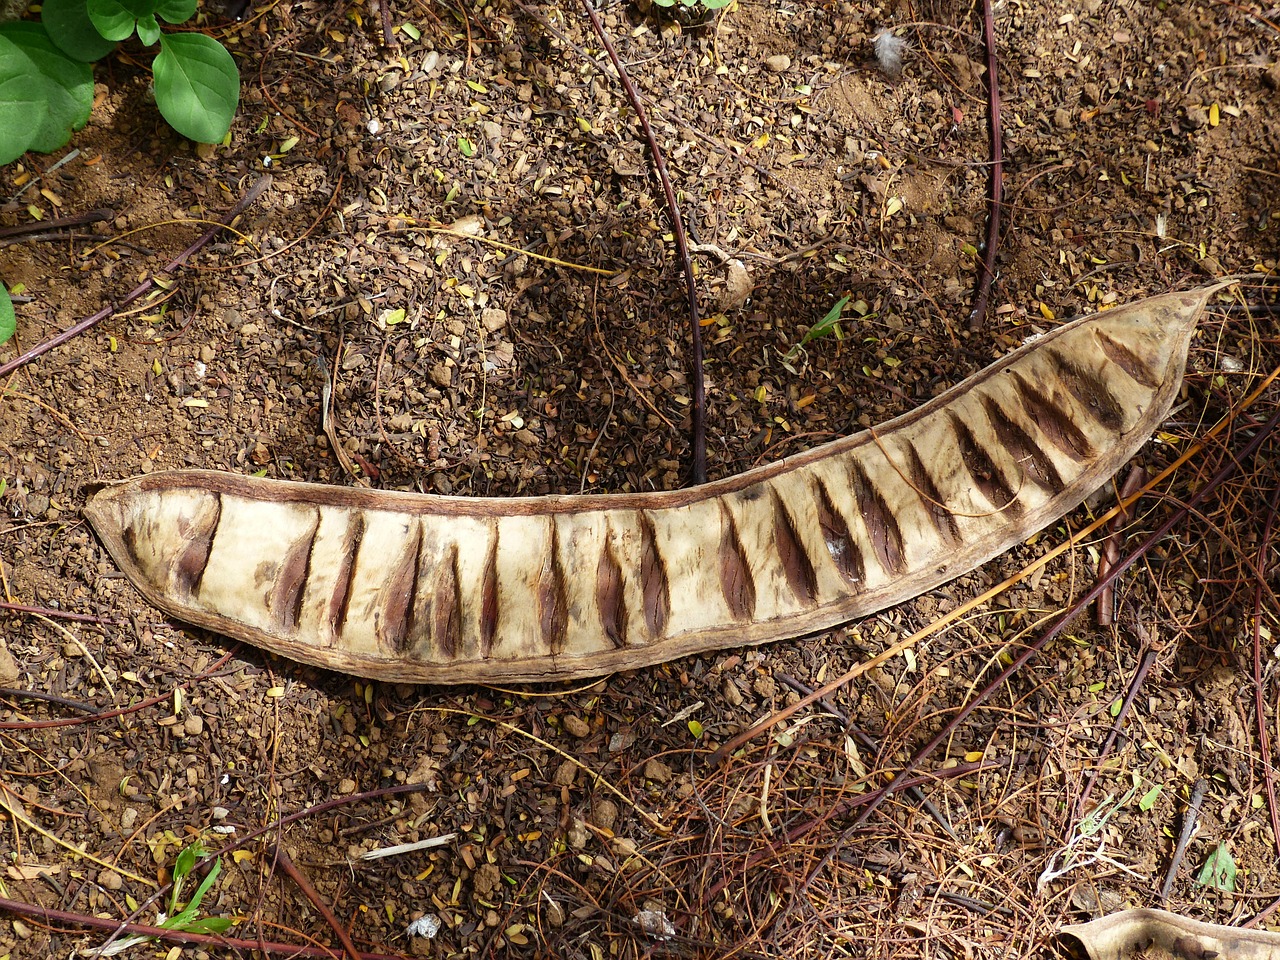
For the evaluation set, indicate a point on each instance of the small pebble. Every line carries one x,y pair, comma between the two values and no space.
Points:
346,786
605,814
110,880
194,725
778,63
657,770
575,726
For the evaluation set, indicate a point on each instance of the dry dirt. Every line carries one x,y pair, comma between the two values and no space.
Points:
588,821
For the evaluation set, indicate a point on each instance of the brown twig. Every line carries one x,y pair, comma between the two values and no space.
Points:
1144,667
285,863
699,413
388,35
870,743
1225,473
1259,697
1111,546
49,914
62,223
275,826
49,698
89,322
987,275
56,614
121,711
1184,838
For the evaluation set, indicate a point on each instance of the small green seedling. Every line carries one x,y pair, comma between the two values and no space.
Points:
830,324
46,81
180,916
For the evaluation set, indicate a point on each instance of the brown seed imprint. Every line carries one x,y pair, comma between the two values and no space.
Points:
190,568
1127,359
1034,462
1052,420
986,475
489,598
552,603
609,594
291,580
653,579
346,572
735,572
795,560
923,484
446,612
398,610
1090,390
882,526
844,550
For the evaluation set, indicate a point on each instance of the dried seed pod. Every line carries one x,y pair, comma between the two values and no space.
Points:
410,587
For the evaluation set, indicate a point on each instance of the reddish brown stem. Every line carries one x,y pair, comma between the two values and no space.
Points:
285,863
62,223
57,614
699,471
1111,546
89,322
50,915
987,276
1148,660
1259,698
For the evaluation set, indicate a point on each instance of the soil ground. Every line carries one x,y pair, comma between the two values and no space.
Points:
339,336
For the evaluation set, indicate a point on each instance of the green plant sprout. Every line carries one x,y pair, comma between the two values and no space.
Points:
1072,857
46,81
830,324
180,916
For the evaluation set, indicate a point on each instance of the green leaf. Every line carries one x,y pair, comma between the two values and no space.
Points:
206,884
186,862
69,26
828,324
1219,871
8,319
197,86
115,19
695,728
175,11
22,108
148,30
180,921
1149,798
41,86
